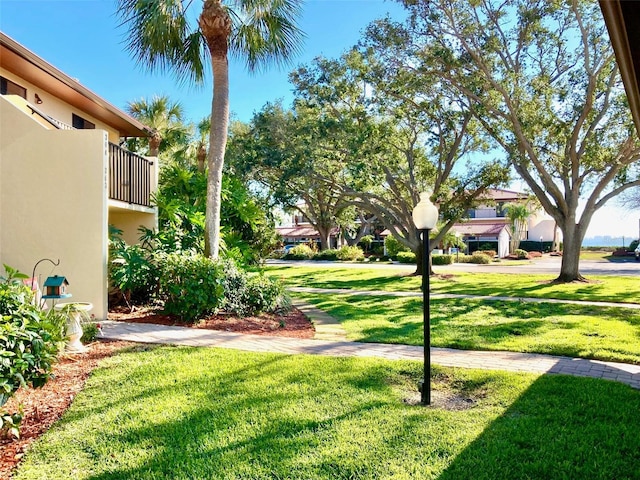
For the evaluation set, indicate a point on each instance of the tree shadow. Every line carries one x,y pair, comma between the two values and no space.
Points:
546,433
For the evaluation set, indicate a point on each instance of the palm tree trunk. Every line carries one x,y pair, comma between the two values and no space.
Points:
215,160
215,25
154,144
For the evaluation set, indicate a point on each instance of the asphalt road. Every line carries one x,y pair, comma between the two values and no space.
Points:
549,265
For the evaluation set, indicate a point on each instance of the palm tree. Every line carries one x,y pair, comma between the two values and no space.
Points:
163,117
518,215
162,36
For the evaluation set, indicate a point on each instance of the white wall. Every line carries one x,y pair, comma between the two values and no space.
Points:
53,203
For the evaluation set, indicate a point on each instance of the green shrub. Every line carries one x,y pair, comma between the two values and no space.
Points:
393,246
480,258
406,257
521,254
267,294
90,332
347,253
464,258
300,252
191,286
131,271
10,423
441,259
30,340
248,295
489,253
329,254
633,245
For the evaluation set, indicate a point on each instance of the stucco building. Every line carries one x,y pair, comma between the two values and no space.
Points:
63,176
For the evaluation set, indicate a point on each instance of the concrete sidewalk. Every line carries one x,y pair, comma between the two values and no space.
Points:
381,293
515,362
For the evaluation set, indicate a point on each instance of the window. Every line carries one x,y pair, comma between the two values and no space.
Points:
500,210
7,87
81,124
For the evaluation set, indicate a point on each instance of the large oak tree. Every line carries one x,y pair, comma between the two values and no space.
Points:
542,79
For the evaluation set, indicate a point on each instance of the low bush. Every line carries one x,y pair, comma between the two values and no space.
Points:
521,254
480,258
300,252
489,253
329,254
191,286
394,246
131,271
406,257
535,254
441,259
90,332
248,295
30,340
463,259
348,253
267,294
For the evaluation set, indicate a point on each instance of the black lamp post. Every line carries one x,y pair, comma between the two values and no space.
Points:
425,216
457,247
541,246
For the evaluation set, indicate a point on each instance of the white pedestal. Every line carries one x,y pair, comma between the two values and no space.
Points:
75,311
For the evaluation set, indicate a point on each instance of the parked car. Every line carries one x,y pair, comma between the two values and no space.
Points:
282,251
637,253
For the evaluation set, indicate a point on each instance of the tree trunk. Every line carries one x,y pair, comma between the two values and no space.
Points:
201,156
154,144
325,235
570,267
215,25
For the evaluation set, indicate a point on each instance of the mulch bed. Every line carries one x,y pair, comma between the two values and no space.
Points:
292,324
43,406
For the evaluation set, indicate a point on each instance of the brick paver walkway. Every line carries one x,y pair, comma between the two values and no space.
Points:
519,362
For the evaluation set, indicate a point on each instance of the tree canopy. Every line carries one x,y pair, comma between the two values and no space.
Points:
541,78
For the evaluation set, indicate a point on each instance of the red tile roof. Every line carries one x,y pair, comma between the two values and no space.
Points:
301,231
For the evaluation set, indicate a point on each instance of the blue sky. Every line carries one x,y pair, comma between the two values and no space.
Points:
82,38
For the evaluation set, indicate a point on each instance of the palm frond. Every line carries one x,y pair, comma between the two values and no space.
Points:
265,32
160,37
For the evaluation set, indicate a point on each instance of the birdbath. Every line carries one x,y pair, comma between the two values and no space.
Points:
75,312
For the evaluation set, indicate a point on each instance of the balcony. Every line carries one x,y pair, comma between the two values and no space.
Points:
130,177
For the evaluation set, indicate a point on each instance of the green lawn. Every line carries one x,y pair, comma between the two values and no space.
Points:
603,288
603,333
188,413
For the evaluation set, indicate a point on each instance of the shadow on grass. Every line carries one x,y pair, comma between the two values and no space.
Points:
271,416
560,427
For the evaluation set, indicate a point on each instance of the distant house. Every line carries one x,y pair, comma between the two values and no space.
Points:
63,176
488,223
295,229
305,234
